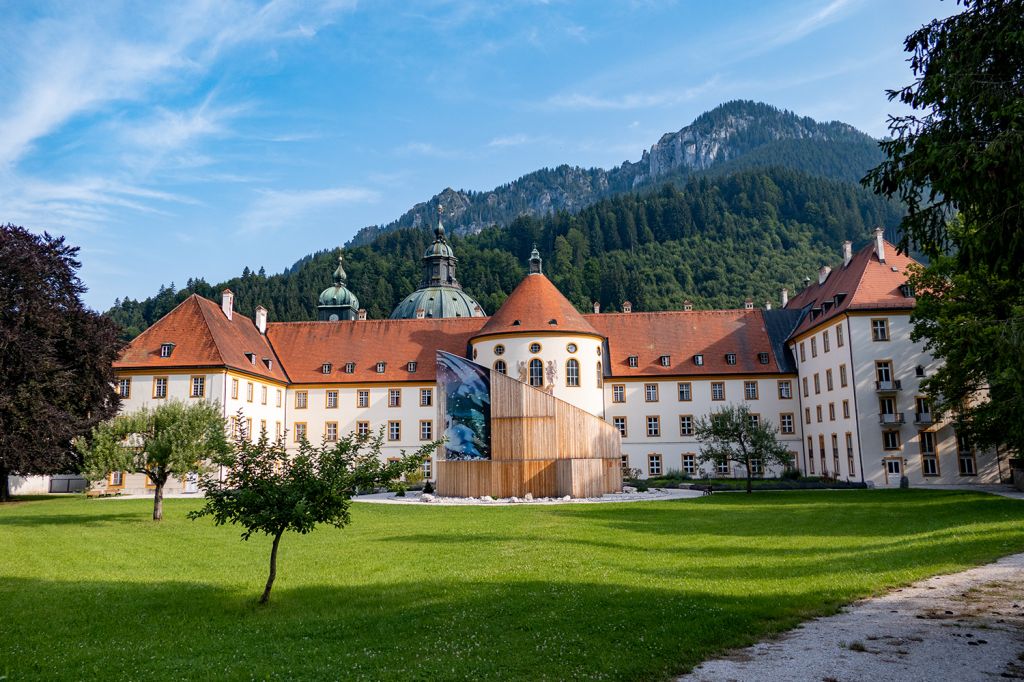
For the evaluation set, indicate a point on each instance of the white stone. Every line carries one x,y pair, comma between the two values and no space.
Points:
566,498
628,489
528,497
426,497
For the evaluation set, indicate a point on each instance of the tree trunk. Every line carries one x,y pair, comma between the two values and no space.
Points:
750,485
273,568
5,489
158,501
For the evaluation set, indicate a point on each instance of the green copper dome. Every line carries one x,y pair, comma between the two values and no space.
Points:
439,293
337,302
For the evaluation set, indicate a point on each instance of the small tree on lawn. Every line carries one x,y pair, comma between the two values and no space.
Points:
172,440
266,490
730,434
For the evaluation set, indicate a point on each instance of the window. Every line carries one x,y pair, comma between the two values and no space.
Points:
534,347
198,387
301,400
810,455
536,372
124,387
249,389
651,393
722,467
890,440
755,467
821,450
842,376
332,399
234,389
500,367
750,390
803,355
277,430
381,367
807,415
499,349
618,393
828,380
572,372
835,454
620,424
806,392
689,464
653,465
814,346
686,425
362,429
326,368
394,430
279,398
426,429
883,372
160,387
785,389
846,409
410,366
263,427
116,479
762,358
698,360
300,432
633,361
786,423
880,330
684,390
831,412
839,336
755,421
929,459
730,358
919,370
666,360
600,375
817,409
166,349
824,341
350,368
426,397
331,431
394,397
965,456
363,398
653,427
428,469
718,390
849,455
263,395
923,407
624,463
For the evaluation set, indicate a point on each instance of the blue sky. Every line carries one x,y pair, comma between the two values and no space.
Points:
194,138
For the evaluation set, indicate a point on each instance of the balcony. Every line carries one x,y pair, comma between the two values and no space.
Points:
925,418
895,418
888,386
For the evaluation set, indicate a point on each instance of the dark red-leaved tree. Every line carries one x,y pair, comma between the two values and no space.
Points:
56,378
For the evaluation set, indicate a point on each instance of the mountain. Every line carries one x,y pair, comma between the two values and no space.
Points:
734,136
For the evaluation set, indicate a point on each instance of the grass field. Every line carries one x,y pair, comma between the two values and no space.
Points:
94,589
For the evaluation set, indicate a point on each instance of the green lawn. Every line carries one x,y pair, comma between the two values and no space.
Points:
93,588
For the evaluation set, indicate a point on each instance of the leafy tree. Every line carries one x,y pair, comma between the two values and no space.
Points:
172,440
731,434
56,375
267,490
961,151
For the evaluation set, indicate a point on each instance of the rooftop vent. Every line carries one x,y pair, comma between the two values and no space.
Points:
627,307
597,307
687,305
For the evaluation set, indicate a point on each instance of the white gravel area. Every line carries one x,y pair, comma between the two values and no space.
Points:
433,500
965,626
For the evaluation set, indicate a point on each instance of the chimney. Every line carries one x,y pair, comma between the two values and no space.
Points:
748,304
627,307
361,314
847,252
768,304
597,307
227,302
261,319
785,296
823,274
879,245
687,305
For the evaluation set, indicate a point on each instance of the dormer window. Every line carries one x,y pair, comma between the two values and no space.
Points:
251,357
552,321
268,362
907,291
633,361
166,349
730,358
411,367
326,368
516,323
666,360
839,298
380,367
350,367
698,360
762,358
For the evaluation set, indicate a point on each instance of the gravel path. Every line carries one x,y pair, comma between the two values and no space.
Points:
965,626
416,498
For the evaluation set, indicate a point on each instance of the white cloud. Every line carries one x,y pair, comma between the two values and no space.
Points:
275,209
632,100
428,149
511,140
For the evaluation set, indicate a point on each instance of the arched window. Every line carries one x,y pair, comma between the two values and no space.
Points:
572,372
536,372
600,375
500,367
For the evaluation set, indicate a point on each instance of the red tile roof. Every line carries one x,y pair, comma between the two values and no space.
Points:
683,334
536,305
203,337
304,347
867,283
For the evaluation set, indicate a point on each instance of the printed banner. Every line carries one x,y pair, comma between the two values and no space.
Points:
466,387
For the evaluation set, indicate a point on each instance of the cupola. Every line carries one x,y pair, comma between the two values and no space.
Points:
337,302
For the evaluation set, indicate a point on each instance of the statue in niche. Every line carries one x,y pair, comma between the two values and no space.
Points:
522,372
552,374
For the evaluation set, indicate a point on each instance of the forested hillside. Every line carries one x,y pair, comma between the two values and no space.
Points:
714,239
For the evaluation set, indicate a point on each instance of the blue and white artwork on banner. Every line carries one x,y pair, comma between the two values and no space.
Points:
467,418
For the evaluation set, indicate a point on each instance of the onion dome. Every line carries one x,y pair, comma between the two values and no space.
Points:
337,302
